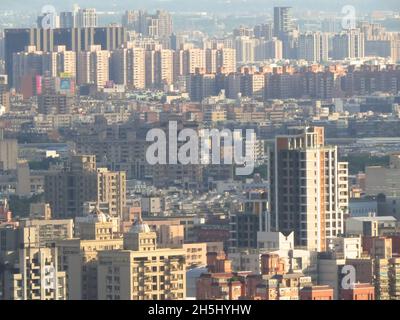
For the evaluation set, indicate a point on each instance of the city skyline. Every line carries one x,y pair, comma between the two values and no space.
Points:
149,153
219,6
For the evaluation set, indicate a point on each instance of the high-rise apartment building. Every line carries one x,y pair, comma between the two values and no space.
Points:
158,25
8,153
164,23
227,60
232,85
111,189
128,67
123,149
67,19
290,44
269,49
67,190
31,65
245,49
348,45
93,67
193,59
79,256
4,93
252,84
60,61
150,68
211,60
221,60
163,67
27,64
201,86
75,39
86,18
305,188
131,20
254,218
119,66
15,40
343,181
264,31
29,271
313,47
155,274
283,20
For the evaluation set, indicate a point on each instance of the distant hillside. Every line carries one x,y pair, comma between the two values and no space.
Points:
203,5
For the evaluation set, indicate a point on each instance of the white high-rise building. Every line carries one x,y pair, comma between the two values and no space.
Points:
308,188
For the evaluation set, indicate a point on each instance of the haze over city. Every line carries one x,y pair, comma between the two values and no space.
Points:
199,150
220,6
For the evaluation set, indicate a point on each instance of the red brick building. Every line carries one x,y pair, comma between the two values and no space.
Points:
360,291
316,293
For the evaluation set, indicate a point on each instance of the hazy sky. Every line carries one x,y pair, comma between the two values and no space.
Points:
218,6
